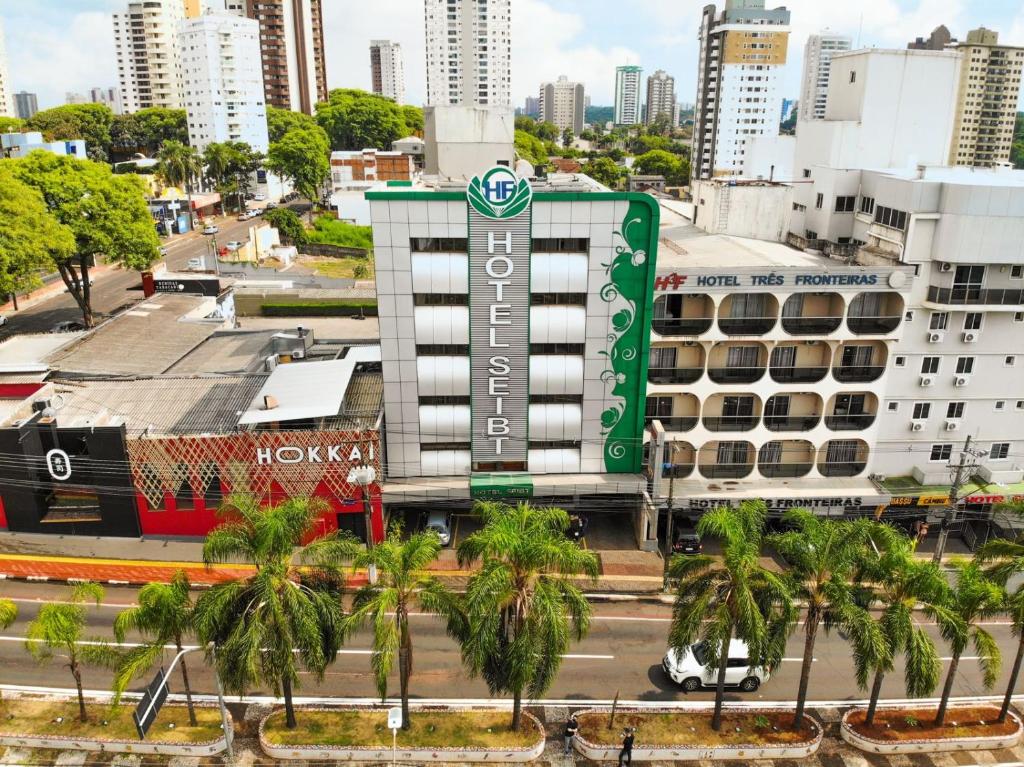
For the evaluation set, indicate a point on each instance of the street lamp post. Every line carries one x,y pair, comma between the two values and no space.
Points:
364,475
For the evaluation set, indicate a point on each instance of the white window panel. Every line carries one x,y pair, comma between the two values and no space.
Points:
444,423
558,324
442,324
556,461
556,374
440,273
551,421
444,463
443,376
558,273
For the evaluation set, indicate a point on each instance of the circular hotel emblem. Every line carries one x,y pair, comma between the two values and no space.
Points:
500,193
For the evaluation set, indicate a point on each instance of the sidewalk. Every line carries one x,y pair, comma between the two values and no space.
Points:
50,290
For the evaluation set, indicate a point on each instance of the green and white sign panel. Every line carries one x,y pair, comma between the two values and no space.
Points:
499,315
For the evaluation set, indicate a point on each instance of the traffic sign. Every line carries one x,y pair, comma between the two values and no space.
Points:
152,699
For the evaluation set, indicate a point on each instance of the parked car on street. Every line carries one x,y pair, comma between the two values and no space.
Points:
440,522
233,245
270,205
259,197
195,265
692,670
3,320
687,541
211,229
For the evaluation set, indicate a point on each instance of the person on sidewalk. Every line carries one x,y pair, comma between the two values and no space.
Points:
626,754
571,728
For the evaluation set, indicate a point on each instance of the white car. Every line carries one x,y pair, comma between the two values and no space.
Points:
3,320
211,229
691,671
259,197
195,265
233,245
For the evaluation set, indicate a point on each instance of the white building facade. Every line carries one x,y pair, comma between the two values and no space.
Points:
628,99
469,52
661,98
818,54
146,43
223,91
563,104
742,53
387,69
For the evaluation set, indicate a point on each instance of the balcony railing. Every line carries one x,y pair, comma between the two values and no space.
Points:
678,470
791,422
730,422
858,373
781,470
674,375
976,296
811,326
693,326
799,374
736,375
746,326
675,422
849,422
841,468
866,325
727,470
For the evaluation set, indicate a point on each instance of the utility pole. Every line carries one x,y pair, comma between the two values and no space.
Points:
961,471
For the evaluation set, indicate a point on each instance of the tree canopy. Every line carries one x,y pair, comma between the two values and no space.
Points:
531,148
145,131
658,162
280,121
90,122
11,124
355,119
302,156
606,171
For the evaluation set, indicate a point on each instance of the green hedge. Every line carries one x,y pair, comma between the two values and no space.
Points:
336,307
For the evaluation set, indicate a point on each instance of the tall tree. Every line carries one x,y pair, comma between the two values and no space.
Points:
280,121
90,122
1005,559
900,583
658,162
180,165
822,556
606,171
402,588
57,630
164,616
145,131
106,214
522,606
413,119
31,239
355,119
11,124
302,156
288,613
732,596
972,599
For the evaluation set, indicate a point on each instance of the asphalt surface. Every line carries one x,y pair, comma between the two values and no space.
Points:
622,654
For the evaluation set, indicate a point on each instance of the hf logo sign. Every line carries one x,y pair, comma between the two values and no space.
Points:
499,193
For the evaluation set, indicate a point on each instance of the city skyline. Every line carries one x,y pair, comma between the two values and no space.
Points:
583,40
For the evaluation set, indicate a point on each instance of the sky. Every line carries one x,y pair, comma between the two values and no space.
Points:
55,46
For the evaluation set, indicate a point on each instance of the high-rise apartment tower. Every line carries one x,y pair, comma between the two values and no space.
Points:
661,97
387,70
817,65
469,52
146,42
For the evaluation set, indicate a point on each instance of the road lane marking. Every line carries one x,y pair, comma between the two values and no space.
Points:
798,660
588,657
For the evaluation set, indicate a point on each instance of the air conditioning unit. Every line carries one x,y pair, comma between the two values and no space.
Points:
917,425
952,425
299,354
961,380
969,337
945,267
936,337
927,381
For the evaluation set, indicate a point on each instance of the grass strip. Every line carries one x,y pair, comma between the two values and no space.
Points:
693,728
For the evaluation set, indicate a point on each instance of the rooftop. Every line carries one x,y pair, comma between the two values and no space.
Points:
229,351
27,352
686,246
555,182
960,175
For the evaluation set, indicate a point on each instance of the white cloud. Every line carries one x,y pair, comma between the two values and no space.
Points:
50,56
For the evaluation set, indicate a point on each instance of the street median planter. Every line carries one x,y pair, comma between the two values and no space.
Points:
664,735
39,723
438,734
902,730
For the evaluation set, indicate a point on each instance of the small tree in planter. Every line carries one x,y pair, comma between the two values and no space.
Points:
732,596
972,599
57,630
522,606
1006,558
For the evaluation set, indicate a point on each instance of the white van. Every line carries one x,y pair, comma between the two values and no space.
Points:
440,522
690,668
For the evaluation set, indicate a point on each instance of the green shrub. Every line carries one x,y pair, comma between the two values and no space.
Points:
327,307
330,231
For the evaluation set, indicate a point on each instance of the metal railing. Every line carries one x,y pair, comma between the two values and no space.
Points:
808,326
746,326
865,325
674,375
669,326
841,468
678,470
798,374
727,470
857,373
849,422
976,296
730,422
781,470
791,422
675,422
736,375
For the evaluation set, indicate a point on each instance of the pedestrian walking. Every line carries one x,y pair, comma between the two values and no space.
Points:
571,728
626,754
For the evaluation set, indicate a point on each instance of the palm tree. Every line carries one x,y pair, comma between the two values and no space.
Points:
401,588
522,606
822,556
259,623
899,582
732,596
972,599
164,615
180,165
59,626
1006,558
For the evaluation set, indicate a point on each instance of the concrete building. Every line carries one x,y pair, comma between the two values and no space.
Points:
6,89
757,210
531,107
502,294
109,97
25,104
458,140
563,104
770,158
15,145
387,70
223,97
818,54
413,146
353,173
742,53
146,43
627,95
292,49
661,97
938,40
469,52
987,102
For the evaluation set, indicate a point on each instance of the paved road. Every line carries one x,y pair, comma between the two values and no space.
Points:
622,654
